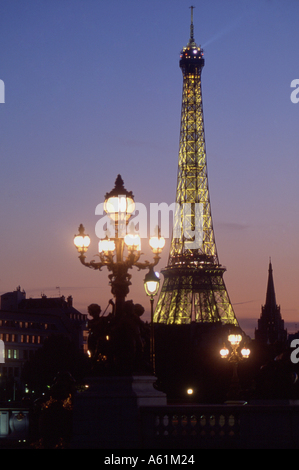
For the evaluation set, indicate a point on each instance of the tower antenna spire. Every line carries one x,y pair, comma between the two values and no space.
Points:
191,26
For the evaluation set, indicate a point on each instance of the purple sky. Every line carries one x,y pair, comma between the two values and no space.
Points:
93,89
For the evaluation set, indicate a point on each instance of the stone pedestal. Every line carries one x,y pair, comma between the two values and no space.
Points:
106,414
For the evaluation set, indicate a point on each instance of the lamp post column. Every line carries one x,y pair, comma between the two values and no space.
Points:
152,341
120,282
234,357
151,285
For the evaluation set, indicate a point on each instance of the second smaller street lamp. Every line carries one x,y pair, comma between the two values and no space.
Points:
235,357
151,286
151,283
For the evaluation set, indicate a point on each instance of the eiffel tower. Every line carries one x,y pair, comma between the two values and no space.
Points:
193,289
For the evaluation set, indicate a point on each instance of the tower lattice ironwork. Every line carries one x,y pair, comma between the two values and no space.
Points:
193,287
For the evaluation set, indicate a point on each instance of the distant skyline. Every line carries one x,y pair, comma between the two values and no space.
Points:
93,89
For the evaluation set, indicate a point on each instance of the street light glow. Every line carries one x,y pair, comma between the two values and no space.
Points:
235,339
224,352
157,244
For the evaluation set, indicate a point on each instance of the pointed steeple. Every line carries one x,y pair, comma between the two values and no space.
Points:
270,296
270,325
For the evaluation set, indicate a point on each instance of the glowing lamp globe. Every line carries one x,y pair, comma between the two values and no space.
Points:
151,283
106,245
245,353
235,339
133,241
119,203
81,241
157,244
224,352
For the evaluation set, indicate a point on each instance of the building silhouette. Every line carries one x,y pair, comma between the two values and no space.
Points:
270,328
26,323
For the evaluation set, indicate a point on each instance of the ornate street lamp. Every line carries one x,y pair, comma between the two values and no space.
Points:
234,356
151,286
121,252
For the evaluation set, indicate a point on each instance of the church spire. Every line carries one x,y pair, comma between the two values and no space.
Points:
270,325
270,296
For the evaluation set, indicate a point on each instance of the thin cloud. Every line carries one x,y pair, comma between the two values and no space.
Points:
246,302
233,226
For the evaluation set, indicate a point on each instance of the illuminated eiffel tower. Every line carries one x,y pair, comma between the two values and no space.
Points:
193,289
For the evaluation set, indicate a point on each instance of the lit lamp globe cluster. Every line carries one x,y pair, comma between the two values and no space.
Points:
119,205
234,355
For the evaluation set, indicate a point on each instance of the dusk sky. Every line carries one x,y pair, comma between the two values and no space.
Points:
93,88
